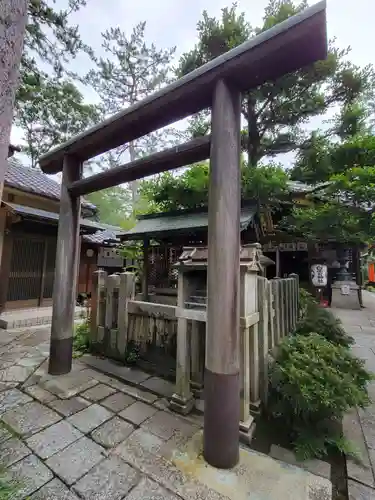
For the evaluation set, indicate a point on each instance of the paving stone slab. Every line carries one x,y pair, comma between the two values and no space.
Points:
12,451
147,489
138,412
357,469
54,490
142,450
110,480
357,491
139,394
30,418
68,407
160,386
367,419
88,419
15,373
118,402
11,399
98,392
40,394
31,474
76,460
31,361
111,368
138,445
53,439
315,466
112,432
165,425
67,386
5,386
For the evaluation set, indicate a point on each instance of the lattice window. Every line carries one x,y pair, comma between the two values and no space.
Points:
161,261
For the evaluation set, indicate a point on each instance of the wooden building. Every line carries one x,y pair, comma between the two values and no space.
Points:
165,234
29,216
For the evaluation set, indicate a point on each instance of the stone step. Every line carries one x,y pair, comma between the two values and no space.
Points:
25,318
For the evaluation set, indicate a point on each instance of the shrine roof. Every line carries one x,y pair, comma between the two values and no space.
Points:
182,222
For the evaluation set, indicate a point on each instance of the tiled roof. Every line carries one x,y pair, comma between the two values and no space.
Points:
103,236
33,181
37,213
303,187
182,221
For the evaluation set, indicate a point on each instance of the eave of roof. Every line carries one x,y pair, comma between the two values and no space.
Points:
182,222
37,214
29,180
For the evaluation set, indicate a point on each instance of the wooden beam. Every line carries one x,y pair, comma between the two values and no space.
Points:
5,267
286,47
178,156
42,281
222,369
66,268
145,269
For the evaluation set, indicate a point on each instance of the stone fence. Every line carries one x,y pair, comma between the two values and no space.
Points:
119,322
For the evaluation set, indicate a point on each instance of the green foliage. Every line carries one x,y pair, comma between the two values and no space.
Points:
114,205
277,111
313,383
51,38
50,113
266,183
321,158
173,192
317,319
81,339
49,108
132,354
130,71
345,210
330,221
167,192
305,301
8,490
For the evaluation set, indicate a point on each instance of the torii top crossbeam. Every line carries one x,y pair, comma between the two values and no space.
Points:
290,45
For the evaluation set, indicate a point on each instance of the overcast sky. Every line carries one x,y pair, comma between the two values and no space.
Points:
173,23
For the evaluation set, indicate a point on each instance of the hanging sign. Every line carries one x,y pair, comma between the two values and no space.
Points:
110,257
272,246
319,275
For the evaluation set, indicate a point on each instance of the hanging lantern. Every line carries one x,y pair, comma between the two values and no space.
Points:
319,275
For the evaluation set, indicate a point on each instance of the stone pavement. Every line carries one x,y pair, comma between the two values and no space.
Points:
94,436
359,425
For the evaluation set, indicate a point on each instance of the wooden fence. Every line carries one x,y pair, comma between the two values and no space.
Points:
117,321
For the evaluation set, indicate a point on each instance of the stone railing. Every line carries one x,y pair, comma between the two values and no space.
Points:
118,320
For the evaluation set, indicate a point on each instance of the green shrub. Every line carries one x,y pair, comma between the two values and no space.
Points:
81,339
132,353
322,321
313,383
8,488
305,301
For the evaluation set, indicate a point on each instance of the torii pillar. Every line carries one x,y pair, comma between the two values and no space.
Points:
222,365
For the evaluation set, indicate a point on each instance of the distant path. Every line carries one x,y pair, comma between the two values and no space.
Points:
359,426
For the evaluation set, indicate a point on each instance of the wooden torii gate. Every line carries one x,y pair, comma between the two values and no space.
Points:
292,44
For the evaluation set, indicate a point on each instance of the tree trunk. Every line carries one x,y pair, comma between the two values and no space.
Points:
253,144
134,184
13,17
